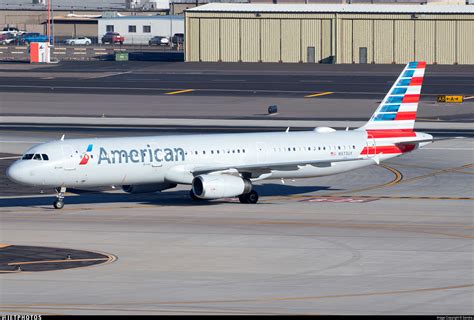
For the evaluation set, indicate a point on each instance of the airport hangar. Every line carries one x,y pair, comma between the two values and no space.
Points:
330,33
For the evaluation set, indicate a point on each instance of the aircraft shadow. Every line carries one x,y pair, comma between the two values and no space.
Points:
169,198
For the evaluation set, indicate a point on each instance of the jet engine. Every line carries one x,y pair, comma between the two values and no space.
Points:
145,188
213,186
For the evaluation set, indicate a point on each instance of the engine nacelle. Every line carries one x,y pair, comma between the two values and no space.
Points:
214,186
145,188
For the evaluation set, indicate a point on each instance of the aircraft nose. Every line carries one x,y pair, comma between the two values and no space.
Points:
15,173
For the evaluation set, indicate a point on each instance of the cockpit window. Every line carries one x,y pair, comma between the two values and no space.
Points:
36,156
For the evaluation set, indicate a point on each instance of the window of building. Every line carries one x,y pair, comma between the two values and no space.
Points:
146,29
109,28
132,29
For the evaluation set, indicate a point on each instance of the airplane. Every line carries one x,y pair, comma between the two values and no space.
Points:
226,165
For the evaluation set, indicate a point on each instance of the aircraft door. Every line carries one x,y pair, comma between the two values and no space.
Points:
371,146
70,161
261,152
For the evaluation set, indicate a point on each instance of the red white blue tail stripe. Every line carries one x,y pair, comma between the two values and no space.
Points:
396,114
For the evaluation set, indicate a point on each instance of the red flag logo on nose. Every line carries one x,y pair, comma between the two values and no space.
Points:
85,159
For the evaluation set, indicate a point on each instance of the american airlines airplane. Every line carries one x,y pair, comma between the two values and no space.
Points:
226,165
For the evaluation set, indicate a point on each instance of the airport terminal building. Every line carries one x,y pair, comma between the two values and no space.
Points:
330,33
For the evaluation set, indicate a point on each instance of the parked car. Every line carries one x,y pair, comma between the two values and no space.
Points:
28,37
12,30
78,41
112,37
159,41
7,38
178,38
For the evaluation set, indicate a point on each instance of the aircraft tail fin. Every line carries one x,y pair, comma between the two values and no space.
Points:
397,111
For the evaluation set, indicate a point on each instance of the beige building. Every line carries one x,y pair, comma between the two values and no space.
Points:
330,33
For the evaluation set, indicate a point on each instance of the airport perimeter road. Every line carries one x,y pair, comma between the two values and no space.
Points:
391,239
245,79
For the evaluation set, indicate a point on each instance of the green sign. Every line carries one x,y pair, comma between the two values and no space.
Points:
121,56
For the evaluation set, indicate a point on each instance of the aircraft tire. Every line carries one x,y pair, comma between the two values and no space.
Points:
243,198
58,204
251,197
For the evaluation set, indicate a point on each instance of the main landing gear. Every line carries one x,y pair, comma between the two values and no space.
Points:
251,197
59,202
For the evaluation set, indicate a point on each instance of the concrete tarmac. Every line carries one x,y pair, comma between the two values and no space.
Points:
390,239
393,239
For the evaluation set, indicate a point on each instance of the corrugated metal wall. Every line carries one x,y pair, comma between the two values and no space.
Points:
329,38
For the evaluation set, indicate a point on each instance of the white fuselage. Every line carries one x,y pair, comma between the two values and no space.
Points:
161,159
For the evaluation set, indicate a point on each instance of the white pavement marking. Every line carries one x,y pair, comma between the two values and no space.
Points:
108,75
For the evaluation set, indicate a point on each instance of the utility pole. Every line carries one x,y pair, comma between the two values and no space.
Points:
52,22
48,31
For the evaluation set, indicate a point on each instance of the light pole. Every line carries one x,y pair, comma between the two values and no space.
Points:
48,31
52,22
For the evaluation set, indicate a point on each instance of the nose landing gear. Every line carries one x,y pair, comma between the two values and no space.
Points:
59,202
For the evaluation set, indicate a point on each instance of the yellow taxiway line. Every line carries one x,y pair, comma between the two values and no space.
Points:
318,94
180,91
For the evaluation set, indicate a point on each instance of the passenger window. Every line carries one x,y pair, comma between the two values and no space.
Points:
45,157
37,157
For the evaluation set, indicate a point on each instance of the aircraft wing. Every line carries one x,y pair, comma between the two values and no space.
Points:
267,167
